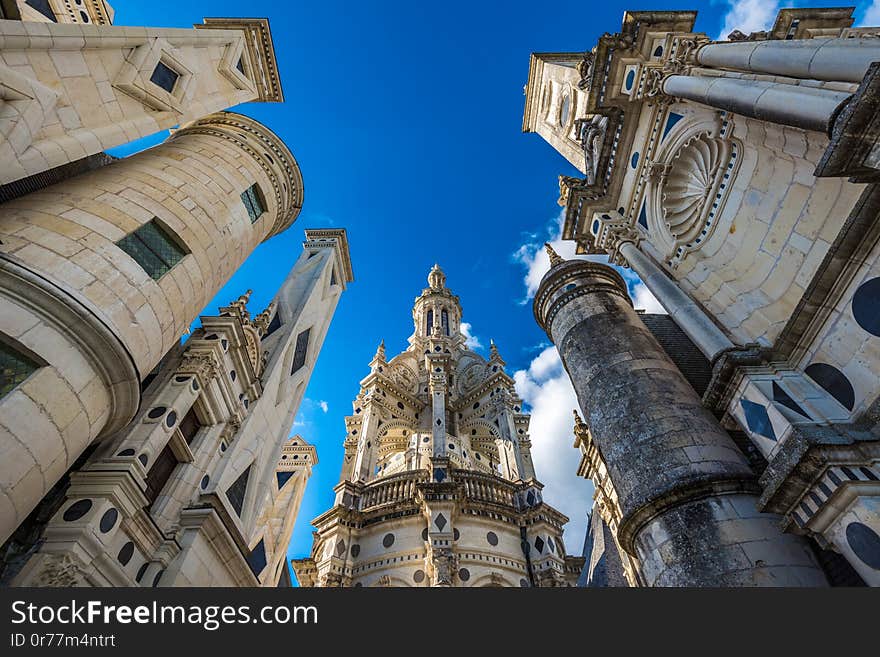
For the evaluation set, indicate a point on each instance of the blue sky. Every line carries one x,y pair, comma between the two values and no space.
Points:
405,118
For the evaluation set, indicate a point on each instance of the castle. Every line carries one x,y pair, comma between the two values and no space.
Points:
738,179
733,441
128,457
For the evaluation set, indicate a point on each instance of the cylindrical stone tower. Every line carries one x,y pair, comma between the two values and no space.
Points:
101,274
686,492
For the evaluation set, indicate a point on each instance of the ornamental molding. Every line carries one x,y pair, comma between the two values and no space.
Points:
687,183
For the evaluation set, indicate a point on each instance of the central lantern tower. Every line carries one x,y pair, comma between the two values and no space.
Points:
437,485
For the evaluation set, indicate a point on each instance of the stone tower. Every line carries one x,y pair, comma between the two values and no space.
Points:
739,179
687,494
202,488
128,457
100,275
437,485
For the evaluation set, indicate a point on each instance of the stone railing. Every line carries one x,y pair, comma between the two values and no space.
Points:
391,490
485,488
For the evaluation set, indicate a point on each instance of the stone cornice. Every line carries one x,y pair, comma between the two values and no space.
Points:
288,191
603,277
313,237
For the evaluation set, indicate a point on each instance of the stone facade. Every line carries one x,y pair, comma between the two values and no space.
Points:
128,458
70,90
737,179
438,486
202,488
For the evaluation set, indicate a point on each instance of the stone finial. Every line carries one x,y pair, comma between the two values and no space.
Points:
436,278
555,258
380,351
494,356
238,308
261,322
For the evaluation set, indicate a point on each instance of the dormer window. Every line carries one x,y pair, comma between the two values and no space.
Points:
165,77
253,201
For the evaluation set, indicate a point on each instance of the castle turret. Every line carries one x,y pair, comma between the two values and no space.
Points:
686,494
100,276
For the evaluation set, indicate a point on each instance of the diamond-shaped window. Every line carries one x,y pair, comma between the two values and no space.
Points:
782,397
440,521
539,544
757,419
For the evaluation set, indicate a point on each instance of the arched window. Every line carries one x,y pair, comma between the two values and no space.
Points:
444,322
429,322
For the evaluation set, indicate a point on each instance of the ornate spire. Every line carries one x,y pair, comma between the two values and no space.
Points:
494,356
555,258
436,278
238,308
380,352
261,322
581,431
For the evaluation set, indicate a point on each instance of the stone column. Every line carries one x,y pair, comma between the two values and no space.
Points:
437,388
831,59
809,108
707,337
508,448
687,495
365,459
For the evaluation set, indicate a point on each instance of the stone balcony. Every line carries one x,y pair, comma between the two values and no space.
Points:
410,488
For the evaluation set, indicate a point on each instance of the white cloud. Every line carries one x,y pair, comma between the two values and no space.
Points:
534,258
545,387
644,299
533,255
749,16
471,341
871,17
323,405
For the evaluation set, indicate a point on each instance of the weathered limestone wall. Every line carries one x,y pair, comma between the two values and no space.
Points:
775,228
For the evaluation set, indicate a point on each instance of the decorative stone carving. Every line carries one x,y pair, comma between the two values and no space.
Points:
654,77
592,137
443,561
585,70
471,376
689,186
656,171
59,571
202,364
403,376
